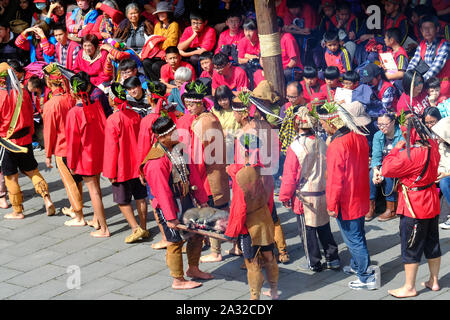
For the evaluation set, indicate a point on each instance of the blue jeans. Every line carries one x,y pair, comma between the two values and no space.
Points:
280,167
355,238
387,186
444,185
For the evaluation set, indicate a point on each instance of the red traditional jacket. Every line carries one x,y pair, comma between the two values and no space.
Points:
425,203
238,209
348,174
85,134
7,107
54,118
157,173
121,135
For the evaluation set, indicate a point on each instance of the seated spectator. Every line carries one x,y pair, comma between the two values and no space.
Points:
224,73
81,17
311,83
173,59
290,53
300,19
332,81
8,50
128,68
134,30
107,22
433,87
182,76
66,50
328,19
206,64
392,41
40,11
335,55
196,39
38,41
394,18
230,38
92,60
56,13
345,20
419,97
248,48
24,12
137,96
386,98
118,52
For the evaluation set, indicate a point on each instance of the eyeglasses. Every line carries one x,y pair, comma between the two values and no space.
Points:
430,123
384,125
291,97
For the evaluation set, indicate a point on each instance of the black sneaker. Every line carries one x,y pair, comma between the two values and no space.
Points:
307,267
333,265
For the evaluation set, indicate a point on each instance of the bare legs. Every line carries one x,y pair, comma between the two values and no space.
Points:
93,185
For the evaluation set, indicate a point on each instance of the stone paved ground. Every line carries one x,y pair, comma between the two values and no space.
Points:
37,253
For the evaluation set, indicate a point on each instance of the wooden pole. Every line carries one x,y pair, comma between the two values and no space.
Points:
266,18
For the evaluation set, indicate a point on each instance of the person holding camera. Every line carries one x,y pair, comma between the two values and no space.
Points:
383,142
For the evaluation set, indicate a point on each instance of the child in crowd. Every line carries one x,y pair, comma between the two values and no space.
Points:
433,87
335,55
332,81
206,64
311,83
392,40
230,38
173,59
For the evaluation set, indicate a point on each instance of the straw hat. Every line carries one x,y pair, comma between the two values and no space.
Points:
307,121
358,113
442,129
265,91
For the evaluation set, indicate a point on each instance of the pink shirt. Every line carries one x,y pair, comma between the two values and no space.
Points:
236,82
225,38
167,73
206,39
245,46
290,50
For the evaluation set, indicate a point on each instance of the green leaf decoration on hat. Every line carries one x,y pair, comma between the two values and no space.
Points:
53,68
402,118
331,107
190,85
313,113
75,85
151,86
121,93
244,97
200,88
4,74
164,114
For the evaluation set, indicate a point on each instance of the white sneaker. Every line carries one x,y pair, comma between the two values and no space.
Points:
349,270
445,225
358,285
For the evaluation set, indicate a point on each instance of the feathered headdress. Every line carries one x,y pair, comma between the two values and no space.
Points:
335,114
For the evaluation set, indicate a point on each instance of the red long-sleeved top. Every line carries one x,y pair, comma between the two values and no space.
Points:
23,43
96,70
157,173
7,107
85,140
238,208
291,176
425,203
116,17
348,175
121,160
54,118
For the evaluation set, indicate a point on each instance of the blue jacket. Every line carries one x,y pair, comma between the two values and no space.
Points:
378,145
47,58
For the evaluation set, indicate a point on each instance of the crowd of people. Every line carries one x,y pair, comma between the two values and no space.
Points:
169,101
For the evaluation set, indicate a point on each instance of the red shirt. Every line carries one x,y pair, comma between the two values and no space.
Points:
425,203
85,140
307,14
54,119
157,173
206,39
121,136
245,46
225,38
419,103
95,70
290,50
7,107
167,73
258,77
324,94
236,82
308,94
348,175
205,74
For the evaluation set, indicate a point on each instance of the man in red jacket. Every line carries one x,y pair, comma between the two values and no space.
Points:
347,186
121,162
418,207
16,124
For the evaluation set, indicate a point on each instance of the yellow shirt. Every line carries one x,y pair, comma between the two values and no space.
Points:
227,120
172,34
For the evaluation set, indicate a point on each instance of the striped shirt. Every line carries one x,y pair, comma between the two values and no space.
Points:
63,53
436,63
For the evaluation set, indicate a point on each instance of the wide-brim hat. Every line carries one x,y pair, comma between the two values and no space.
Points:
358,113
265,91
163,6
307,121
442,129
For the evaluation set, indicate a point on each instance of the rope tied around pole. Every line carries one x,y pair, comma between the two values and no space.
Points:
270,44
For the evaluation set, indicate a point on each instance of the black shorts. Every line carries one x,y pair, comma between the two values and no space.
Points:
124,191
76,177
23,161
249,251
427,239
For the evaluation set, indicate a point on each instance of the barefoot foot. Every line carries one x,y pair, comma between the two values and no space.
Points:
75,223
160,245
403,292
434,286
183,284
212,257
271,293
195,273
93,224
3,203
50,208
100,234
14,216
68,212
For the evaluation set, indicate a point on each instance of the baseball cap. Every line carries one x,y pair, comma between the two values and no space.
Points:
369,72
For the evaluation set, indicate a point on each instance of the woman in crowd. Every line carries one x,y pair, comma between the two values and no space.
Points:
81,18
107,22
37,40
56,13
182,75
419,95
383,142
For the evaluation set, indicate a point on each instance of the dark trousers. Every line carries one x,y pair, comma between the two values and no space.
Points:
152,68
311,236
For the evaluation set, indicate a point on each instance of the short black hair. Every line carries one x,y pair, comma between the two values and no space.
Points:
250,24
127,64
172,49
429,18
395,34
309,72
132,82
280,22
331,73
432,83
331,36
162,124
220,59
197,15
206,55
352,76
37,82
407,80
293,4
343,5
60,26
222,92
16,65
233,13
433,112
